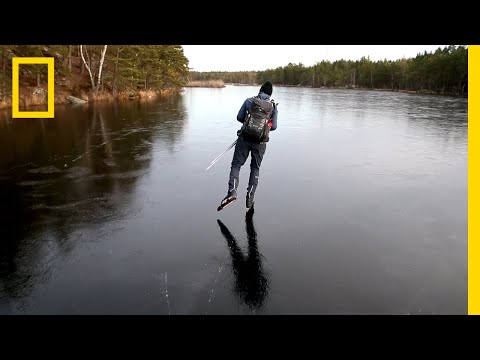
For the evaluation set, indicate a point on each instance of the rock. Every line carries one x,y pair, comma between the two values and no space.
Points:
64,82
75,100
40,92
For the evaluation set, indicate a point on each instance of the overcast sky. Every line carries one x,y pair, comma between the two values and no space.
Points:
262,57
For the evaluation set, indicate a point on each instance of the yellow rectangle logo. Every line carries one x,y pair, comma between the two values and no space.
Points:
16,113
473,155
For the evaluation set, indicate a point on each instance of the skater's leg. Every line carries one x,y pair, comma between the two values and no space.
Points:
257,151
239,157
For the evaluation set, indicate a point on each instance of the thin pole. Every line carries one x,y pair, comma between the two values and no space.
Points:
220,156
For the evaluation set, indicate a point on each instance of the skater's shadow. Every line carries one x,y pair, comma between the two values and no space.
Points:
251,281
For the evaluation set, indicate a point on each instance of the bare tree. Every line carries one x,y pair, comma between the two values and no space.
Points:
95,87
70,58
115,72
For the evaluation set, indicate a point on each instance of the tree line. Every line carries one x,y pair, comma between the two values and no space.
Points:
442,71
99,68
114,69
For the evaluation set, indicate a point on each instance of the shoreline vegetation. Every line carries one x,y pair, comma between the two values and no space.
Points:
207,83
93,73
97,73
31,100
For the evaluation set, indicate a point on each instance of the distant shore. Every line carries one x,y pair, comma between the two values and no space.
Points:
29,97
221,84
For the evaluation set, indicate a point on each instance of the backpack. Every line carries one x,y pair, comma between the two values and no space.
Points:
255,126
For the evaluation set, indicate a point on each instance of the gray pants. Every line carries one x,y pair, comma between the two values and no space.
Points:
242,149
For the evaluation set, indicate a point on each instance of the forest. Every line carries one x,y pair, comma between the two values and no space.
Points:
94,72
99,72
444,71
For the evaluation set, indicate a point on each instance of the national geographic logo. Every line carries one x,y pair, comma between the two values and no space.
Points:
16,113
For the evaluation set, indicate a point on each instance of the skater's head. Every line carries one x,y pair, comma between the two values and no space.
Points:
267,88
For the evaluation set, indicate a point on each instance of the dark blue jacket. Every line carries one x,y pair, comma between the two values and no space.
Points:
247,104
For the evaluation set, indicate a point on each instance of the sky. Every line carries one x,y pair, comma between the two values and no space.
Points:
262,57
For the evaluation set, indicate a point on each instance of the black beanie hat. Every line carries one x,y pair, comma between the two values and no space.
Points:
267,88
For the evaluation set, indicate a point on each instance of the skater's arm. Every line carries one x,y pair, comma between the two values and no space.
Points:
243,110
274,119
